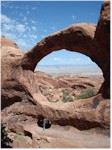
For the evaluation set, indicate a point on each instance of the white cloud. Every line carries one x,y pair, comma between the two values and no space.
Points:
57,59
53,28
25,18
33,21
24,36
20,28
26,23
7,27
21,42
34,28
73,17
5,19
74,60
69,60
43,36
6,4
33,8
18,32
33,36
10,35
9,24
28,29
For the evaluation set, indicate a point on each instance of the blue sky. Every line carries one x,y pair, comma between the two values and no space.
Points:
27,22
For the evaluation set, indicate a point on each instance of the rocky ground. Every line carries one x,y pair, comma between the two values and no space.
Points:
58,137
24,131
67,88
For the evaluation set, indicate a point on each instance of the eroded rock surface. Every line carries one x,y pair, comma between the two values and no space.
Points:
8,42
59,137
23,99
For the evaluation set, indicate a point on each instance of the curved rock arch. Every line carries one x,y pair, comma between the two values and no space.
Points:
77,38
84,38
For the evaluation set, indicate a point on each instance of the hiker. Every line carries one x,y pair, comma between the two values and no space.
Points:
44,122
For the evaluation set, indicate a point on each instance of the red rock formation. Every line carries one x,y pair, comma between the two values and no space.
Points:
8,42
77,38
102,41
84,38
20,86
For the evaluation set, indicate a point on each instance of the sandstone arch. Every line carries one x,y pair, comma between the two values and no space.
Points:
78,38
88,39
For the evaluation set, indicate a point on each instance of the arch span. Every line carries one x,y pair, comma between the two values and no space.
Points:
77,38
88,39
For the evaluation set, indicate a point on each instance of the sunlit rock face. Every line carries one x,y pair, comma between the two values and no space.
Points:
21,97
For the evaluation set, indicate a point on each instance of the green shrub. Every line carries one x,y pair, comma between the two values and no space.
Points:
65,92
67,99
19,137
88,93
4,137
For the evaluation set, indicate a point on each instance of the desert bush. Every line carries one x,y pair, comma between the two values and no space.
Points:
67,99
65,92
19,137
88,93
5,141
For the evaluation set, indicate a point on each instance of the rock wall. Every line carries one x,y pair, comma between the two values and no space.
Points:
102,41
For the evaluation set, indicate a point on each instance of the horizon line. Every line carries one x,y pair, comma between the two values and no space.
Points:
64,64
